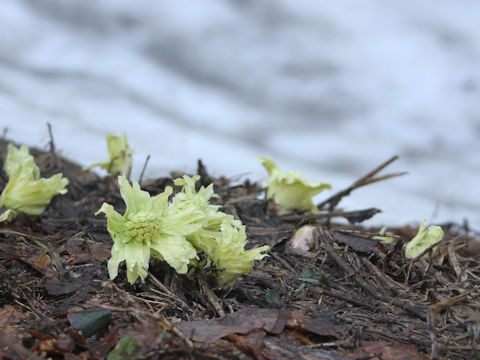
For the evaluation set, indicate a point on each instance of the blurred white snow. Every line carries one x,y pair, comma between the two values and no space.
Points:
330,89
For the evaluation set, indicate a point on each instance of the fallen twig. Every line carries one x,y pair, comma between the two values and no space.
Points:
435,349
367,179
52,144
441,306
324,236
355,300
44,244
352,216
209,294
143,170
167,292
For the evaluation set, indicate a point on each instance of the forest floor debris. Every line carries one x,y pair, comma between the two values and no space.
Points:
350,296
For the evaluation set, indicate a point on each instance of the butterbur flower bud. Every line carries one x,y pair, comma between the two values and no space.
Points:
119,161
423,240
148,228
175,231
289,190
231,257
26,191
303,239
220,236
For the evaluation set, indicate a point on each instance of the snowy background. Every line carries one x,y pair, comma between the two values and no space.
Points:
330,89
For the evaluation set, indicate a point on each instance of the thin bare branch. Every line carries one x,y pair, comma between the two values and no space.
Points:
367,179
143,170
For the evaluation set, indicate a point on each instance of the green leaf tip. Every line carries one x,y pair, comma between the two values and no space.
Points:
119,161
26,191
175,231
289,189
423,240
126,349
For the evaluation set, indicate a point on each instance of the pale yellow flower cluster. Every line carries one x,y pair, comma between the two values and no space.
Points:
175,231
26,192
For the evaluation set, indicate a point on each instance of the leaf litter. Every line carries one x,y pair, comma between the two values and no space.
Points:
349,296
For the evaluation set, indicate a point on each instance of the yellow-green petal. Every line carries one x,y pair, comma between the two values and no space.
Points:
25,190
115,221
176,251
119,159
230,256
20,157
182,222
160,202
423,240
135,198
8,215
289,189
136,257
118,255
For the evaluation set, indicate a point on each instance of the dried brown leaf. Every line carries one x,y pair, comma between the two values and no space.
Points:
386,350
250,319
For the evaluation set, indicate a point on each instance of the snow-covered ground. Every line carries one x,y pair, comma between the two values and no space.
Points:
327,88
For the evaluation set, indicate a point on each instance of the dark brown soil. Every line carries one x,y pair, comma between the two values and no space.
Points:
350,297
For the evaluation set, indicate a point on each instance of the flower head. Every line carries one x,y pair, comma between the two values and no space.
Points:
220,236
119,159
230,255
175,231
148,228
211,220
26,191
423,240
289,189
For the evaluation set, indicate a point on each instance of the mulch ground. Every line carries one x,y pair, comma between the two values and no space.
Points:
349,297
